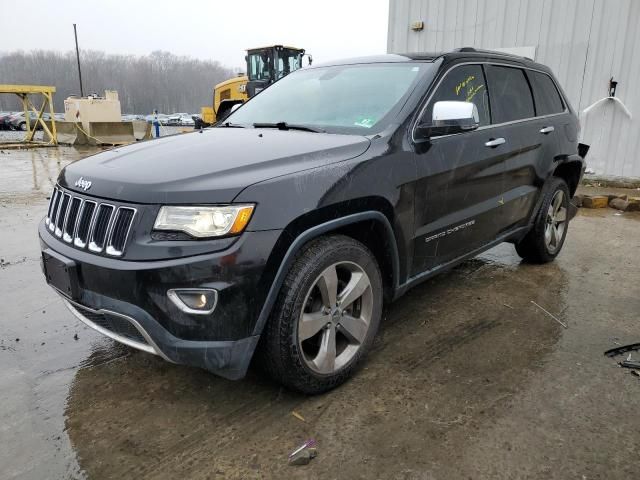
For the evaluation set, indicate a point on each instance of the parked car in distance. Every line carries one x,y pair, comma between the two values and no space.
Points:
283,230
5,120
18,121
186,120
131,117
162,118
175,119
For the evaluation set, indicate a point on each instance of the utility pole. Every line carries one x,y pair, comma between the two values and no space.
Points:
75,33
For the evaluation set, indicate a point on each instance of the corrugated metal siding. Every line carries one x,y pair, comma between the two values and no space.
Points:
585,42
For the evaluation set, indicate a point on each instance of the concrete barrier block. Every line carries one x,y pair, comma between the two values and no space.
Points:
634,204
619,203
595,201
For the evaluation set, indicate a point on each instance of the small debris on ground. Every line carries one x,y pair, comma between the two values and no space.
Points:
304,453
298,416
550,314
623,349
630,364
75,336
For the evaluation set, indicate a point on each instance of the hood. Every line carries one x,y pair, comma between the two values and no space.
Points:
208,167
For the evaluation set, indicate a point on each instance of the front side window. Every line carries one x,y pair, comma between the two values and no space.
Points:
464,84
338,99
545,94
510,94
259,66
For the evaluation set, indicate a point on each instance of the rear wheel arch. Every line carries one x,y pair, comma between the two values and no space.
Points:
570,172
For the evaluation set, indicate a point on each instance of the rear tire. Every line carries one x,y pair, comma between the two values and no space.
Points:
545,239
23,126
325,318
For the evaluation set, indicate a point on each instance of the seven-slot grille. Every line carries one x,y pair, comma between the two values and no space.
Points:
98,226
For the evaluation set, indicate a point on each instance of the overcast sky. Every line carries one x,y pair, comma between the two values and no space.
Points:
327,29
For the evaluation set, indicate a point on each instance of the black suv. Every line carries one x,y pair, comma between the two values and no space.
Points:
283,230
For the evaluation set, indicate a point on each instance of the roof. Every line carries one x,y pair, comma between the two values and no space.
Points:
465,52
274,46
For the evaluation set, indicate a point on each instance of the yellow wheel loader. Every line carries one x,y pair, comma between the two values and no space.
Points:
265,65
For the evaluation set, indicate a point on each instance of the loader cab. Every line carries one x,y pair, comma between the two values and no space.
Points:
269,64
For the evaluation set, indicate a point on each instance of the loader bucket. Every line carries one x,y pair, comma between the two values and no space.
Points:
69,133
141,130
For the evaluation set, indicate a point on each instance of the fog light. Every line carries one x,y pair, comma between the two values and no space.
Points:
200,301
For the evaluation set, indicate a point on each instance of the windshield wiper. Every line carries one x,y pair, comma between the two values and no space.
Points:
288,126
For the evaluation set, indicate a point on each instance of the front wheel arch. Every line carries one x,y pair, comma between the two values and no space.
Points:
312,233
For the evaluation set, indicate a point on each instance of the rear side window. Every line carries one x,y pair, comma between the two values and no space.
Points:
545,93
464,84
510,94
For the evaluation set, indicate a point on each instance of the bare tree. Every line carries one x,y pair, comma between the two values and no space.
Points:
161,80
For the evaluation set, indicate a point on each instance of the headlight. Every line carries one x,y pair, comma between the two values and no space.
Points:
205,221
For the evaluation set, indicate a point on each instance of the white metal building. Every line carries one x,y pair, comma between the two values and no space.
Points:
585,43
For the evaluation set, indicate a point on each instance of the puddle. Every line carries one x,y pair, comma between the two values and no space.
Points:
32,173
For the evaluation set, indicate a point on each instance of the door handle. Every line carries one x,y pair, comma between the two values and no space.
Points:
546,130
494,142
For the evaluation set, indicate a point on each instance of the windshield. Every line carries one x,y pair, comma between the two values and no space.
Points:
337,99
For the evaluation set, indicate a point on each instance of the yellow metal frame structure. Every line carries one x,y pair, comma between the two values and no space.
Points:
23,91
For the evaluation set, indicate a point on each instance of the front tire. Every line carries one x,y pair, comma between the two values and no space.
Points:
326,316
545,240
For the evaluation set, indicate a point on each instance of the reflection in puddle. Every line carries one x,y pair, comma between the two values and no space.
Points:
34,171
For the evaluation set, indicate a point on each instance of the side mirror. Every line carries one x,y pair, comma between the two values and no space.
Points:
449,117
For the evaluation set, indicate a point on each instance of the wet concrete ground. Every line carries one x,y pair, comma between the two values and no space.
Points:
468,379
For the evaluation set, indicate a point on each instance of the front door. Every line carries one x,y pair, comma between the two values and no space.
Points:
460,190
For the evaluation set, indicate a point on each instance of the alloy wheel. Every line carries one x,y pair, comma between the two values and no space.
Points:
335,318
556,222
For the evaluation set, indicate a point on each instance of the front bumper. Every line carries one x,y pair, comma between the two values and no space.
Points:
229,359
127,301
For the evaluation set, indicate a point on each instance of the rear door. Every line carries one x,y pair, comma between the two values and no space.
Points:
513,111
551,123
460,178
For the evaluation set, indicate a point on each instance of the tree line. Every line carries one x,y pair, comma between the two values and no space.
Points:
160,80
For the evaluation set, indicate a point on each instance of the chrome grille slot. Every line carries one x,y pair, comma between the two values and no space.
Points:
51,202
101,225
62,213
120,231
54,210
84,223
72,217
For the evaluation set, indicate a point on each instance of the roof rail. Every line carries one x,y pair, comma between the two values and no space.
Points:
493,52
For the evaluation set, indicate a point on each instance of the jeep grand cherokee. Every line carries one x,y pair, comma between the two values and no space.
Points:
282,230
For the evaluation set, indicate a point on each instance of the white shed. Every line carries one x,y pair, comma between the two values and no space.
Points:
585,43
